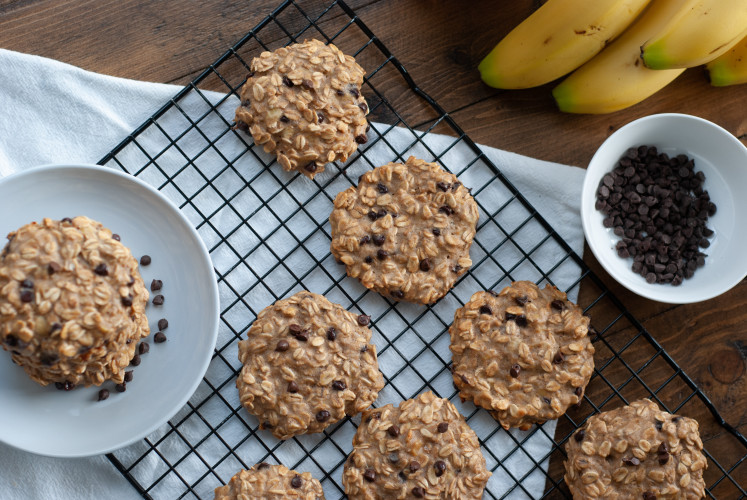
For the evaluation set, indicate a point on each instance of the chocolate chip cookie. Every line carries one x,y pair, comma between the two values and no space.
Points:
634,452
405,230
307,364
523,354
72,302
304,103
421,449
270,482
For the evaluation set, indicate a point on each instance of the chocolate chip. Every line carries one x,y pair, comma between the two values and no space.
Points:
578,392
443,186
159,338
414,466
456,269
103,394
557,304
101,270
126,301
339,92
287,82
158,300
446,209
361,139
143,348
163,324
53,267
631,461
121,387
398,294
364,107
296,482
402,476
308,84
378,239
484,309
443,427
262,465
364,320
322,416
135,361
368,259
364,348
521,320
369,475
354,92
436,231
382,254
27,295
320,116
440,467
292,387
282,346
558,358
418,492
310,167
373,215
393,431
579,436
546,400
128,376
294,329
339,385
515,370
65,386
67,219
284,119
394,457
156,285
331,333
11,340
425,265
364,240
649,495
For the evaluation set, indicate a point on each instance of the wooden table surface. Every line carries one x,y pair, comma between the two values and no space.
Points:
440,43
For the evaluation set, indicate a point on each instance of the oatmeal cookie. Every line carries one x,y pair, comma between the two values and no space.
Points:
421,449
307,364
72,302
270,482
522,354
405,230
635,452
304,103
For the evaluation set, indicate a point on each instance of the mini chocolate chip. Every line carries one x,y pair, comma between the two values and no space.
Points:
364,320
364,348
363,106
27,295
443,186
128,376
159,338
145,260
398,294
163,324
372,214
456,268
368,259
320,116
663,458
557,304
440,467
649,495
354,92
579,436
578,392
339,92
402,476
282,346
369,475
418,492
382,254
53,267
262,465
126,301
443,427
284,119
521,320
657,424
310,167
515,370
394,457
143,348
11,340
27,283
67,219
546,400
266,425
103,394
425,265
361,139
414,466
378,239
296,482
292,387
158,300
558,358
446,209
436,231
287,82
135,361
364,240
484,309
116,237
121,387
393,431
294,329
339,385
101,270
308,84
322,416
156,285
48,358
631,461
331,333
521,300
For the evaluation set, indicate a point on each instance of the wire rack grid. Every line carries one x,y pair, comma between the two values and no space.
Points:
268,235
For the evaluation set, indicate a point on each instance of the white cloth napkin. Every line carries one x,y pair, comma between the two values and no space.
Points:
51,112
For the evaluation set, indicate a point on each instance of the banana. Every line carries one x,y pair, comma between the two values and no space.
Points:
556,39
697,35
729,68
616,78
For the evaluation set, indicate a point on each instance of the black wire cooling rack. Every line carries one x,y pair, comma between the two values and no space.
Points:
268,235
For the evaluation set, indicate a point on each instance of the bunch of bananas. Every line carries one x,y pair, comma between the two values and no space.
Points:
619,51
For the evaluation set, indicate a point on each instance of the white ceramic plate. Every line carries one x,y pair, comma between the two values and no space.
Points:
723,160
46,421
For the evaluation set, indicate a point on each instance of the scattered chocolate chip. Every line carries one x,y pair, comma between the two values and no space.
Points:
121,387
372,214
557,304
658,425
294,329
135,361
339,92
67,219
11,340
65,386
128,376
156,285
331,333
378,239
262,465
414,466
382,254
364,107
579,436
558,358
440,467
159,338
456,269
368,259
443,427
578,392
364,348
484,309
308,84
310,167
649,495
402,476
521,320
393,431
266,425
418,492
145,260
296,482
361,139
546,400
322,416
443,186
394,457
163,324
320,116
126,301
143,348
364,240
354,92
369,475
292,387
53,267
515,370
101,270
631,461
158,300
27,295
48,358
284,119
339,385
103,394
446,209
282,346
382,188
364,320
425,265
287,82
398,294
436,231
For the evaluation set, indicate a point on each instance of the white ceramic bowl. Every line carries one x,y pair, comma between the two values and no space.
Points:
723,160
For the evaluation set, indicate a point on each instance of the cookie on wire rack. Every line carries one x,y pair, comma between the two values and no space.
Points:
523,354
307,364
636,452
405,231
421,449
270,482
303,103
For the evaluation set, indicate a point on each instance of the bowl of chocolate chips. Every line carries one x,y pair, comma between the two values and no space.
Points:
664,208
